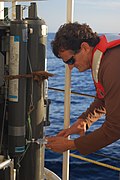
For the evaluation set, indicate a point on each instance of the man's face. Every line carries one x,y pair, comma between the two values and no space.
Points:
80,60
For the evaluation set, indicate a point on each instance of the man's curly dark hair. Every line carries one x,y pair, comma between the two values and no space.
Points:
70,36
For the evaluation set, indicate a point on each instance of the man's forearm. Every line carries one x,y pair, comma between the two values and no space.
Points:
94,112
96,140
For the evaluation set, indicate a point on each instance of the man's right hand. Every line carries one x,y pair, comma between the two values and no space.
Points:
79,127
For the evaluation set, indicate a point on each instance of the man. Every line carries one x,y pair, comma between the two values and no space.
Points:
78,46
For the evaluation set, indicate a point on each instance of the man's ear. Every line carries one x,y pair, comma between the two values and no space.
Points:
85,46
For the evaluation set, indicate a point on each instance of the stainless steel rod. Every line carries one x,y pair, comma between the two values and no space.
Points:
72,92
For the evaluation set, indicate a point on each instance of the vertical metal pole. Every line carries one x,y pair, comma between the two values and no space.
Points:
65,172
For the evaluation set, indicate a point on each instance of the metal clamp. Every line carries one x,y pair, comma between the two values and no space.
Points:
38,141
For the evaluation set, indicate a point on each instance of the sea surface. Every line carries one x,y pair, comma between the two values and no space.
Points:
81,83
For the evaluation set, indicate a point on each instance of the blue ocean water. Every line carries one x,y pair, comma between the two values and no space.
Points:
82,83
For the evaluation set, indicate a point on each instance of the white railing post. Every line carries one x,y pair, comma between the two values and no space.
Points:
1,10
65,171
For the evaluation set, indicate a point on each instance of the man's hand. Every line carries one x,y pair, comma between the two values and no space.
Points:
60,144
79,127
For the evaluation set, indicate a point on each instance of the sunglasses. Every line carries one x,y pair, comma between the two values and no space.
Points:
70,61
